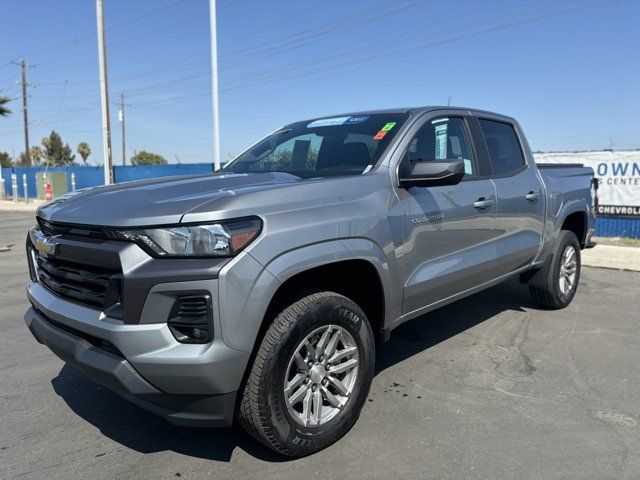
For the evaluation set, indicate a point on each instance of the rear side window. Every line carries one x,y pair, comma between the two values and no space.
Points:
503,145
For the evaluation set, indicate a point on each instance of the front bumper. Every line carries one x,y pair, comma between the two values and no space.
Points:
117,374
188,384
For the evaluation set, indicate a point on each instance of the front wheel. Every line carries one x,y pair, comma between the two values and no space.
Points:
311,375
560,278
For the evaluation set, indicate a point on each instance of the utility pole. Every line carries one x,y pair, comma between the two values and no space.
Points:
214,84
121,118
25,116
104,94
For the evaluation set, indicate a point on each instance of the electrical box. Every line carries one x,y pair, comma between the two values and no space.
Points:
58,181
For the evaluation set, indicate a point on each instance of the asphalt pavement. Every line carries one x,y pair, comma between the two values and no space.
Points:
487,388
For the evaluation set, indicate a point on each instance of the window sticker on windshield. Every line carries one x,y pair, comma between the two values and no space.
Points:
384,130
354,120
380,135
328,122
467,167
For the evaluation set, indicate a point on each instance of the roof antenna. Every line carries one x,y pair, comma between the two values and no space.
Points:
449,101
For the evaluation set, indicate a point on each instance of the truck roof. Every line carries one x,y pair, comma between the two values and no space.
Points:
419,110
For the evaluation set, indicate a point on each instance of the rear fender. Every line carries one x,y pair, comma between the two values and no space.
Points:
557,220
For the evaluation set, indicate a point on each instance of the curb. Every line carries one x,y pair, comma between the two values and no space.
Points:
613,257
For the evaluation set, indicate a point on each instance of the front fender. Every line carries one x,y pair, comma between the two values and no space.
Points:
297,261
246,287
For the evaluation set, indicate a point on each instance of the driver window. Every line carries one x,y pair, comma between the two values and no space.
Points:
442,139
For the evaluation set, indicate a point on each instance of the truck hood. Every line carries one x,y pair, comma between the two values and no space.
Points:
156,201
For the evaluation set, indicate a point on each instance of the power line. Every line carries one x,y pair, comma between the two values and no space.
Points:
204,74
313,35
112,27
321,63
229,4
341,61
115,26
279,22
364,49
264,76
131,39
327,65
196,64
180,66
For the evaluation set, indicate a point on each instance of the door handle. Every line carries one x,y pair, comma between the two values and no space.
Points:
532,196
482,203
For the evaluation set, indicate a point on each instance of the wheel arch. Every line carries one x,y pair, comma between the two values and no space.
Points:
356,268
576,222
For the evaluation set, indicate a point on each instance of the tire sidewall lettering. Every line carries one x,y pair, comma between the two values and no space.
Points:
340,314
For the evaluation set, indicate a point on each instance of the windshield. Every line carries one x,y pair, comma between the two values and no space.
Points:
346,145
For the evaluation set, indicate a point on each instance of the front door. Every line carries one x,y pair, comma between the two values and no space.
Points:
448,230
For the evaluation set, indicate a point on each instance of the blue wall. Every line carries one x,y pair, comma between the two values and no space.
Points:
618,227
93,176
140,172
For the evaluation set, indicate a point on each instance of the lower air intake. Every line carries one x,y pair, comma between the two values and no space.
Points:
190,319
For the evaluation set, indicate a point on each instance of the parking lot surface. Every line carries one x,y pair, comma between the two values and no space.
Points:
488,387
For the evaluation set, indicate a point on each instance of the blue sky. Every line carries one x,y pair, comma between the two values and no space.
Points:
569,70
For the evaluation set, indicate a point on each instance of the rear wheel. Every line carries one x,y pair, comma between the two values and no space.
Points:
311,375
558,281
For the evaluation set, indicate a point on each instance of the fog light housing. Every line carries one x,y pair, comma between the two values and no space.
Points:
190,319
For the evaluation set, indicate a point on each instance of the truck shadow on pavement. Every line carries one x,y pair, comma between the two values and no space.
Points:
144,432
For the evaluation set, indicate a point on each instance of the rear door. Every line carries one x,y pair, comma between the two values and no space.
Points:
448,231
520,209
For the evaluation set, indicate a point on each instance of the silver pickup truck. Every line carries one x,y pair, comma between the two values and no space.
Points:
257,293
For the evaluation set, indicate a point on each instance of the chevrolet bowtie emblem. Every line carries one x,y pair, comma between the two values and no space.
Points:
47,246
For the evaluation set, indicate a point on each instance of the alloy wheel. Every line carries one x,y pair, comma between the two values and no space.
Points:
321,376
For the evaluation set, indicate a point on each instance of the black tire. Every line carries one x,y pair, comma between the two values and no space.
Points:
263,412
545,290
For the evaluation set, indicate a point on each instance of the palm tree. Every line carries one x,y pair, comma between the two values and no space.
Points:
84,151
4,111
36,154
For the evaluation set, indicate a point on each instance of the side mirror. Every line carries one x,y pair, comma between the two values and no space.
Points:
431,173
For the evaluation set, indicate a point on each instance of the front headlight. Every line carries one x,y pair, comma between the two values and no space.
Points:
221,239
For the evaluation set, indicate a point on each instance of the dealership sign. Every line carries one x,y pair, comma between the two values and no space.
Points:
618,175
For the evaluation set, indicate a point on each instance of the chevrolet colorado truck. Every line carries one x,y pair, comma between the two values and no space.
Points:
257,293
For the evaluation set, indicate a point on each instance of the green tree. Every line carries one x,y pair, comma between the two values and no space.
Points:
84,151
5,160
55,152
147,158
21,161
4,111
